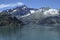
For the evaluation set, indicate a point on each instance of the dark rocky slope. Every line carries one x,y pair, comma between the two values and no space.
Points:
8,19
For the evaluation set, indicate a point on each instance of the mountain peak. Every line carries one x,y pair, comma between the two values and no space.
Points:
23,6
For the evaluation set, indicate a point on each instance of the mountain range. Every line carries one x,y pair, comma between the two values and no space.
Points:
26,15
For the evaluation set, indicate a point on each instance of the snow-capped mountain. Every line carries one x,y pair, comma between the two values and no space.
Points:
20,11
45,12
42,15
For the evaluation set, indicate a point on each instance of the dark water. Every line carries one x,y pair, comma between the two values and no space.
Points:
31,32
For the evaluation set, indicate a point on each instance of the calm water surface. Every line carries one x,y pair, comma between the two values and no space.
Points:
31,32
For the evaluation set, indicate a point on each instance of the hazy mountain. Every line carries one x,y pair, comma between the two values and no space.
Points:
44,15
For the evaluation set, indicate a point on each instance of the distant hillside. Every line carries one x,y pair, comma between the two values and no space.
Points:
8,19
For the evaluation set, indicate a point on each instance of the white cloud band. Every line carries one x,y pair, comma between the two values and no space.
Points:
10,5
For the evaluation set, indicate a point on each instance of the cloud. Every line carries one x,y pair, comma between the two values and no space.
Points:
11,5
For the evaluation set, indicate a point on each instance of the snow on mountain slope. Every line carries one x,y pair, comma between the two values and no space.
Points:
47,13
32,11
31,15
14,10
39,15
26,15
51,12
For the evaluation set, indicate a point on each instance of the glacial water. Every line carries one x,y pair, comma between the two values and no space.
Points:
31,32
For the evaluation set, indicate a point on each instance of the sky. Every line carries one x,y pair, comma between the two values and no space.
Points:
4,4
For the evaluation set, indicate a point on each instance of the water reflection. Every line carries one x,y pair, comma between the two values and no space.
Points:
31,32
